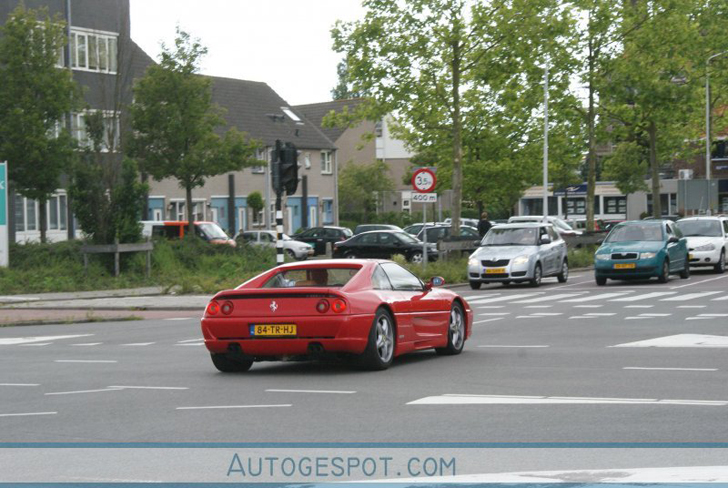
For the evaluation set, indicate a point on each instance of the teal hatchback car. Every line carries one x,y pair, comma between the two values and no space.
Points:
642,249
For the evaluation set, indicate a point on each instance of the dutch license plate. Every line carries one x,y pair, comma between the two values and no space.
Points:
690,256
273,330
495,271
625,266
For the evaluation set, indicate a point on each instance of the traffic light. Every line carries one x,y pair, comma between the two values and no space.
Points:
285,168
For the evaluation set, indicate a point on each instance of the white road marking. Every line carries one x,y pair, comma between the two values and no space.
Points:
179,318
681,340
150,387
82,391
670,369
713,315
698,282
690,296
538,306
41,344
691,306
548,298
591,298
88,344
10,341
26,414
487,320
588,306
482,297
480,314
602,314
455,399
639,306
518,347
528,317
139,344
195,344
578,317
312,391
699,318
191,340
85,361
508,297
638,318
547,314
233,406
19,384
655,314
18,299
491,307
721,299
646,296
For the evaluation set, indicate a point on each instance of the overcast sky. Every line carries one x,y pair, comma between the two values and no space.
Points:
284,43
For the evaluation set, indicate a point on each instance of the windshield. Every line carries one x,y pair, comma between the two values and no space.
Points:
406,238
636,232
499,236
561,224
347,232
286,237
706,228
306,277
212,231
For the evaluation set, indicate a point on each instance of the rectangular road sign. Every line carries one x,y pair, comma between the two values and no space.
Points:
424,197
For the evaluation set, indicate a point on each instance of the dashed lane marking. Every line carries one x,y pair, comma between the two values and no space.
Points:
639,306
508,298
342,392
40,344
82,391
31,414
85,361
19,384
690,296
88,344
487,320
518,347
456,399
179,318
233,406
669,369
139,344
591,298
588,306
549,298
646,296
150,387
681,340
9,341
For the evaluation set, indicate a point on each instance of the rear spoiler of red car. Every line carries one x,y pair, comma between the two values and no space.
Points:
273,293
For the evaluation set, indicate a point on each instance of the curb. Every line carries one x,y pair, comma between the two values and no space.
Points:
132,318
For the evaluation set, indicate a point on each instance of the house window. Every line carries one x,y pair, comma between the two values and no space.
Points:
328,211
615,205
94,51
262,155
178,211
111,133
27,212
576,206
326,162
668,203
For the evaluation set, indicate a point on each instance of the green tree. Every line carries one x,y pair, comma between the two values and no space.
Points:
175,123
343,90
429,61
35,95
108,197
255,202
627,166
359,185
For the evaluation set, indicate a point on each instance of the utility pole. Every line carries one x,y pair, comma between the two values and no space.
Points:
546,143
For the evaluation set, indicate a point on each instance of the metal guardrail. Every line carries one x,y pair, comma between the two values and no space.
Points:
117,249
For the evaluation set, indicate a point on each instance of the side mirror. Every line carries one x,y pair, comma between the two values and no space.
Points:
673,240
545,240
434,281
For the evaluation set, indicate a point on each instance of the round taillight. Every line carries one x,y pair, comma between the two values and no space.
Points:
322,306
339,306
227,308
213,308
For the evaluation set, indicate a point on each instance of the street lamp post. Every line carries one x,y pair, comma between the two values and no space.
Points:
708,158
546,144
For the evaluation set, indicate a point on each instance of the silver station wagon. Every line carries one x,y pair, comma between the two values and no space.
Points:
518,253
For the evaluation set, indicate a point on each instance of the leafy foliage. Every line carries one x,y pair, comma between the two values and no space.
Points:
359,185
35,96
627,166
175,122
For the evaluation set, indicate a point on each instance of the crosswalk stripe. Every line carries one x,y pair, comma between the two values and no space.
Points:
644,297
506,298
721,299
482,297
591,298
690,296
549,298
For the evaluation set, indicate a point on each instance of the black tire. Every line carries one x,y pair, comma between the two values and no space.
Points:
350,255
291,254
563,276
537,276
227,365
373,358
720,267
416,257
664,275
601,280
506,283
685,272
455,332
475,285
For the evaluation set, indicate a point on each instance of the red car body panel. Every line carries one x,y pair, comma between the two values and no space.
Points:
421,318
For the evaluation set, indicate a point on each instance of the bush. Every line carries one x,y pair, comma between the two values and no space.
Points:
454,270
582,257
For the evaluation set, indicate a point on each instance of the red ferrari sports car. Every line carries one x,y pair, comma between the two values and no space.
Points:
374,310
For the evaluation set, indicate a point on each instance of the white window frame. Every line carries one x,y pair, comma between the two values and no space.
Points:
179,213
326,160
78,129
61,213
109,39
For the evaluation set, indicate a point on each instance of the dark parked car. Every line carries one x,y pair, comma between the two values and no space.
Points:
368,227
415,229
440,232
383,245
319,237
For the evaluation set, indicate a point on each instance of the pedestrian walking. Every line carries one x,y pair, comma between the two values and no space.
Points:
484,224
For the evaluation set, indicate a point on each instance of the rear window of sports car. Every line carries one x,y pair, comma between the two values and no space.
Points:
311,277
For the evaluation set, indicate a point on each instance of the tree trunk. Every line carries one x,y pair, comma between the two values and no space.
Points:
591,180
190,216
457,168
655,172
42,221
145,210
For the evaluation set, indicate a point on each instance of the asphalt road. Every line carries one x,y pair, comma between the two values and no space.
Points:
628,362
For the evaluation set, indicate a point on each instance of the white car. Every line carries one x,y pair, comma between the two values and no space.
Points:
707,241
267,238
560,225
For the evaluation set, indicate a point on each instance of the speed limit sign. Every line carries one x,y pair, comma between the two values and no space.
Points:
423,180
